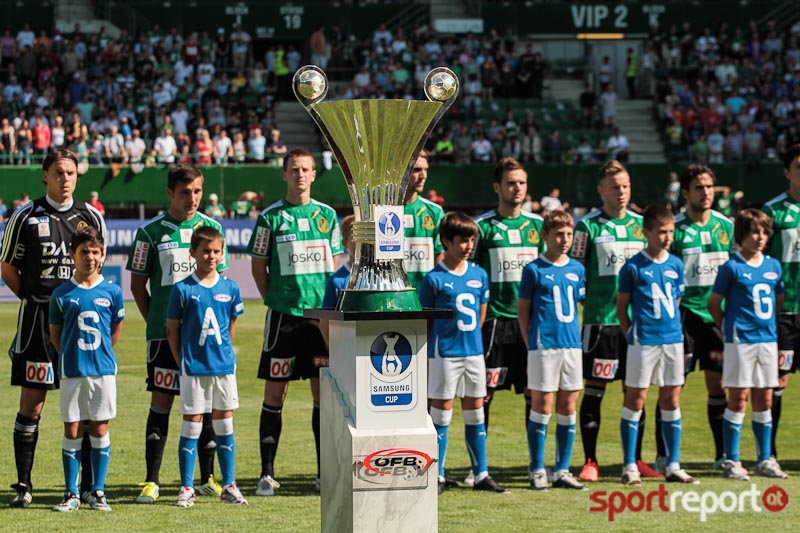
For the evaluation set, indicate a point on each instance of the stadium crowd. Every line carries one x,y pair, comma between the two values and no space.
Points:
161,97
724,94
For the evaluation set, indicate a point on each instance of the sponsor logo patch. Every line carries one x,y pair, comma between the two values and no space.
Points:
139,261
223,297
102,302
261,241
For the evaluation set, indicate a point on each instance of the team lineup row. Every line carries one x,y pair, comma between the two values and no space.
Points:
502,314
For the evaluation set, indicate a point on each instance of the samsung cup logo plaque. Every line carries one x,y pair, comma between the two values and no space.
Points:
388,232
391,378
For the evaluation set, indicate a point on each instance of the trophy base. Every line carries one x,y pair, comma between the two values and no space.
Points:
379,301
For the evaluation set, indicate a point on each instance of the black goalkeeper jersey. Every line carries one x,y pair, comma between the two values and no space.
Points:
36,242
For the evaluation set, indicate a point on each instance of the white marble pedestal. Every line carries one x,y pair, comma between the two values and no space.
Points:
378,445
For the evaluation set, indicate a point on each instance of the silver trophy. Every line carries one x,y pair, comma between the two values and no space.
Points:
376,143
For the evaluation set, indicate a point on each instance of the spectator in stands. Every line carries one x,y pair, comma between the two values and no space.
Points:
482,150
587,101
512,147
222,50
244,205
472,92
673,193
618,146
58,135
524,74
239,148
734,144
241,44
8,141
584,152
716,146
699,150
256,146
552,201
605,75
319,48
135,148
164,148
23,200
26,37
214,209
8,49
94,201
553,148
608,102
114,146
444,149
531,145
462,145
224,147
41,137
184,147
276,148
753,144
205,149
631,72
726,73
24,143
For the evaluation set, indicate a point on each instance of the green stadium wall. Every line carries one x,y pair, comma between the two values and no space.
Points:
462,186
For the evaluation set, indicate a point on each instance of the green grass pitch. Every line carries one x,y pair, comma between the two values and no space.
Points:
296,506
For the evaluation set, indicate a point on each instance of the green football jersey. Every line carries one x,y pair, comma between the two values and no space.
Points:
161,252
703,250
421,219
603,244
785,245
505,246
299,242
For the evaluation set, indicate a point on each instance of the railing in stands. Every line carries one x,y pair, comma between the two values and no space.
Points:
416,11
123,15
785,15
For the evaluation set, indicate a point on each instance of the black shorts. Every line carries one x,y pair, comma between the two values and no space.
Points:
162,370
34,361
506,355
605,352
703,342
788,343
293,348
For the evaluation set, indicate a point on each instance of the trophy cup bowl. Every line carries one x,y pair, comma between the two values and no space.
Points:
376,143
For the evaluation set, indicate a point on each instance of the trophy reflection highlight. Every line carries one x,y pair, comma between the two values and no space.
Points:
376,143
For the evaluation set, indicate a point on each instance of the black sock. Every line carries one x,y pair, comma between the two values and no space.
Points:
26,434
270,433
206,448
590,421
315,427
777,400
86,460
640,436
528,403
487,403
155,440
716,411
661,449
